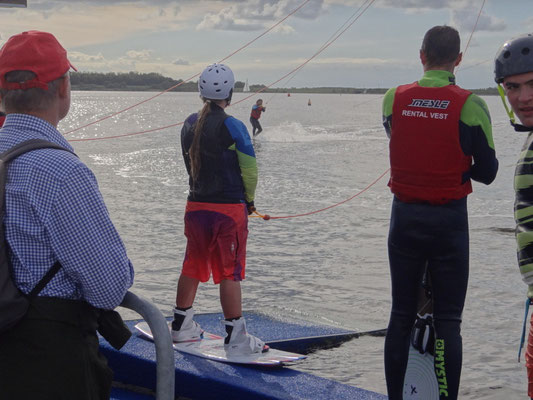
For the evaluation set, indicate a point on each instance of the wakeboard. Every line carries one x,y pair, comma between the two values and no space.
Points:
420,382
211,346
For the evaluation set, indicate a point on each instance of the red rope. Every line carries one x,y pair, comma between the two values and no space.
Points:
181,83
324,47
325,43
267,217
473,30
127,134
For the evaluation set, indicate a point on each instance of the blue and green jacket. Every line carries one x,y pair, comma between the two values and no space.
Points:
228,168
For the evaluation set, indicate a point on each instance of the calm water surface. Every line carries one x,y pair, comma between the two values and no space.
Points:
332,266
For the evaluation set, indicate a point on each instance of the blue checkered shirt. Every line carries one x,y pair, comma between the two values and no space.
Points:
55,212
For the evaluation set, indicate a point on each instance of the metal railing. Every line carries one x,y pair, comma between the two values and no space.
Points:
163,343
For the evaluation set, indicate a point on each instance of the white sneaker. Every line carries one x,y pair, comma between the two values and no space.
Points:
239,342
190,330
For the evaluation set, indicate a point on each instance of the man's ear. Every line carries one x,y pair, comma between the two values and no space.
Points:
459,59
64,87
423,57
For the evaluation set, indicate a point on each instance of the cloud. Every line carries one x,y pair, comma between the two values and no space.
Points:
256,14
139,55
465,20
423,4
82,23
528,24
224,20
76,56
55,3
463,14
180,61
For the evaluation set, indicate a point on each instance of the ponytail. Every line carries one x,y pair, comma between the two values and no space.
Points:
194,151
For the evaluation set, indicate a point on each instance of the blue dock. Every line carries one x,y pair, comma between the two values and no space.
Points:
198,378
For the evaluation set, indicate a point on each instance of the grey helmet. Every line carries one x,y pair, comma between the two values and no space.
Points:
514,57
216,82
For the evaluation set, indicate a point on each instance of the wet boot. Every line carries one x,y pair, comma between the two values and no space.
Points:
238,342
184,328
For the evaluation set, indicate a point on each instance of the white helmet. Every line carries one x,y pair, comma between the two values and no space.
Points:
216,82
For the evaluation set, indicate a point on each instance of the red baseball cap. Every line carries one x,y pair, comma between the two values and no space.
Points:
35,51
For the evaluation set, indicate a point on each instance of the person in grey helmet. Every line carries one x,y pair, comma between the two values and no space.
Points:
514,70
220,160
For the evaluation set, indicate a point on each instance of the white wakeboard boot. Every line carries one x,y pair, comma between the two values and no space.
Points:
188,330
238,342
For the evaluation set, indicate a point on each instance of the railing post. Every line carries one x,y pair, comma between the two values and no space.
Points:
163,343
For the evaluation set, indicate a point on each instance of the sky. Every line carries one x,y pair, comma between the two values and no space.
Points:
179,38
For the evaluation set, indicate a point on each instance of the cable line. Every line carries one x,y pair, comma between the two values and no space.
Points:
267,217
312,57
321,49
188,79
325,43
470,38
474,29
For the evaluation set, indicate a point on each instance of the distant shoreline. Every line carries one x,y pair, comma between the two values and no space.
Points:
153,82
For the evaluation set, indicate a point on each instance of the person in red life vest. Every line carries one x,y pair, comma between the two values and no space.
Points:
513,68
2,118
257,109
440,139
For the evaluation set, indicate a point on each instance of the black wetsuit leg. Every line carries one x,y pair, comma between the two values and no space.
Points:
423,234
449,276
256,126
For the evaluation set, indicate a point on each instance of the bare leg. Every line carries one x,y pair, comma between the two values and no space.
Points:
230,298
186,291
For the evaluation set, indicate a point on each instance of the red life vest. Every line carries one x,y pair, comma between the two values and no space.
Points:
427,162
2,119
256,112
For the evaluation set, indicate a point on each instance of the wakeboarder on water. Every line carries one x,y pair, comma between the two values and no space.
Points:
255,114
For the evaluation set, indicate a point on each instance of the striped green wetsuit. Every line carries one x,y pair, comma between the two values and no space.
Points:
523,184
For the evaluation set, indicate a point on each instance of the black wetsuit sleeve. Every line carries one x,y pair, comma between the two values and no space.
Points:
474,143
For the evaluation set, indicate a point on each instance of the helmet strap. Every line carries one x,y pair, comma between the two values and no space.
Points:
228,99
507,109
510,113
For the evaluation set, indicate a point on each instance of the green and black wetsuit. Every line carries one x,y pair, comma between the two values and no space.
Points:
429,220
523,210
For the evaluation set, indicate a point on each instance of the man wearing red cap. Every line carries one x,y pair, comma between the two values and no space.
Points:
54,217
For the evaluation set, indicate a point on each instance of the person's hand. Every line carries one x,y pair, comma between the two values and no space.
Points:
530,292
250,207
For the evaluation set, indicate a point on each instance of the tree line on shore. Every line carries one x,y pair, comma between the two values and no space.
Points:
136,81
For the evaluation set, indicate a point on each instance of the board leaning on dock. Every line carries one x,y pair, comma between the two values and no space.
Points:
420,382
212,348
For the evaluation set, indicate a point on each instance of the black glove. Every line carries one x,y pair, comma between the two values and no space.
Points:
250,206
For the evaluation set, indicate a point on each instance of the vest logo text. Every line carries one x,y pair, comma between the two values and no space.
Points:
430,103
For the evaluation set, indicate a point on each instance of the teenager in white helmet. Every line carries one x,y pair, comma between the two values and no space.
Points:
222,168
514,69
